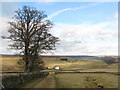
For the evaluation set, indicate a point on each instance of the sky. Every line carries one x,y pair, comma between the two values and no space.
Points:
84,28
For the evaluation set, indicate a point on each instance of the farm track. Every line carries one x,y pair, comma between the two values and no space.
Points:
47,82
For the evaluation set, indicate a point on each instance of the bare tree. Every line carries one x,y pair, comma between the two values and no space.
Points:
30,33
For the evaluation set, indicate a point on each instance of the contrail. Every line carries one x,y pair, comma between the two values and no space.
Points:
71,9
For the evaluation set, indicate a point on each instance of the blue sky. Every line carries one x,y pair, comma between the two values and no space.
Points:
83,27
101,11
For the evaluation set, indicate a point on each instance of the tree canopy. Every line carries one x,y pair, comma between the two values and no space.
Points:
30,32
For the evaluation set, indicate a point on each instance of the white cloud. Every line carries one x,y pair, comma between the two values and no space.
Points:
88,49
85,31
3,31
86,38
4,25
81,39
90,39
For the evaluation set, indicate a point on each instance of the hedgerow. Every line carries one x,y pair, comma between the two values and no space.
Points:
16,81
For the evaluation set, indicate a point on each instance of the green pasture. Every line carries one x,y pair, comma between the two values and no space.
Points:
81,80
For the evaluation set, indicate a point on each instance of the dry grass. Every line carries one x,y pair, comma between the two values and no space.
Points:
86,80
73,80
86,65
10,63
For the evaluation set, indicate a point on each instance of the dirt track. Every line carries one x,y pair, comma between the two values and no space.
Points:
47,82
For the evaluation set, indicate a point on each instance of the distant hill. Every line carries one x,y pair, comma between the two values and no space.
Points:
83,57
106,59
9,55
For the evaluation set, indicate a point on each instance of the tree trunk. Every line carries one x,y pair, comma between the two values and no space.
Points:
26,58
27,49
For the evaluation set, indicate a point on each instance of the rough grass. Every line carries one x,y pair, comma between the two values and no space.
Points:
86,80
10,63
77,80
86,65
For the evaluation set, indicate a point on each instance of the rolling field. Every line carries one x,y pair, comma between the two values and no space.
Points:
10,64
70,80
81,65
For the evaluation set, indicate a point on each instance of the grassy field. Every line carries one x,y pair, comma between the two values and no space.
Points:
86,65
70,80
10,64
86,80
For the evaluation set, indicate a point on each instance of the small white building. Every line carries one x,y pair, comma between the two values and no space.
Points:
56,68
